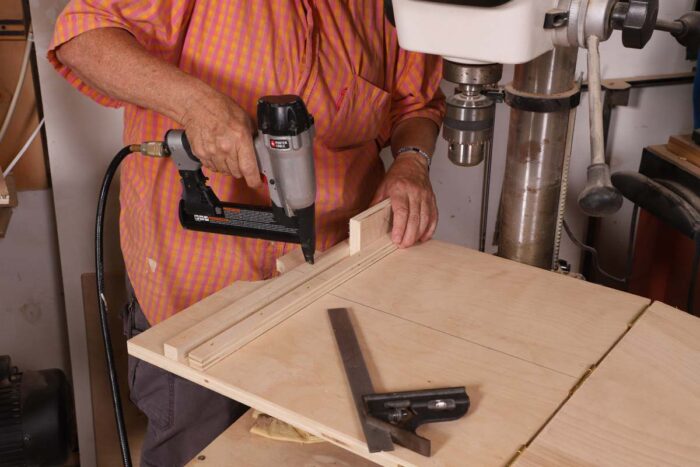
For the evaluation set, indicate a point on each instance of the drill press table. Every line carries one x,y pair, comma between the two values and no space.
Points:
518,338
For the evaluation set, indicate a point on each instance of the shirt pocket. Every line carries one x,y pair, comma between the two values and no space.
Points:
362,110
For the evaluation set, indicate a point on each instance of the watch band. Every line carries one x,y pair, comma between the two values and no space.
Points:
417,150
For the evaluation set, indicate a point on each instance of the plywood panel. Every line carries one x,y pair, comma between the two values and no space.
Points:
368,226
236,446
294,373
640,407
542,317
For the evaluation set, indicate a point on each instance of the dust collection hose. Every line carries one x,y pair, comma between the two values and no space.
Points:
102,301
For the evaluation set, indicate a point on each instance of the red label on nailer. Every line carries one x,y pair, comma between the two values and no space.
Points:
280,144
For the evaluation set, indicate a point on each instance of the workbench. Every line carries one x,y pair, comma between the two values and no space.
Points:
559,371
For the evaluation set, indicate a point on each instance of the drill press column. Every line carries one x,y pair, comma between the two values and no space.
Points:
536,147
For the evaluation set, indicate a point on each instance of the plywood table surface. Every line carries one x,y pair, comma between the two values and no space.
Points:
538,316
432,316
640,407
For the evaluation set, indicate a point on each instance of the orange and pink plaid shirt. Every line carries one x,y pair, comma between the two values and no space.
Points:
341,56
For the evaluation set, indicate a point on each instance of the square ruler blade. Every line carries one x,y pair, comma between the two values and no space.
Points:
358,377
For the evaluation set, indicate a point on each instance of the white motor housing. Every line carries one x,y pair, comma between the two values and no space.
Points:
510,33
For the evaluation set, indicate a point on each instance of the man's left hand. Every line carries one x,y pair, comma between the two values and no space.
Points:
407,184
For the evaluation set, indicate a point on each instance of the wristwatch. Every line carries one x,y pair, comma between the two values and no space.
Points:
417,150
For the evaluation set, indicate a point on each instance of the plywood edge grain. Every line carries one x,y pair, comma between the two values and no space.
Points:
288,262
369,226
155,337
275,312
366,229
179,346
294,260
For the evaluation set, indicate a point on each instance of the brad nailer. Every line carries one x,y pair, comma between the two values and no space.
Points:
284,151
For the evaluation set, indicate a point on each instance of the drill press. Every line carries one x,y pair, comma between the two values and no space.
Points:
542,39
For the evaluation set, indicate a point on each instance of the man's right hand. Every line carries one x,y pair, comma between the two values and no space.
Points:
221,135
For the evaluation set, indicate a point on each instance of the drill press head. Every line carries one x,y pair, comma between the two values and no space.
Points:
474,37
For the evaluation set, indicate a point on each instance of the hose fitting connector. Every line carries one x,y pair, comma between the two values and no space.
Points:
153,149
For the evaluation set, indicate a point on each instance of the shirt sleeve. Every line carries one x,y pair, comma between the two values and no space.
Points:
416,90
159,26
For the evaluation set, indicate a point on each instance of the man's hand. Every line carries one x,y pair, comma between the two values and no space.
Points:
408,186
221,135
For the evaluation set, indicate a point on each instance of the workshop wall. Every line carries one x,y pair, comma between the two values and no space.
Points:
32,317
33,330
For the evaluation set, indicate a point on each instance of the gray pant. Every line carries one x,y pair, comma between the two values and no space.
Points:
183,417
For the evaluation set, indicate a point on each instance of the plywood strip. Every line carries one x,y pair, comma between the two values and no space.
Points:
180,345
277,311
289,261
367,227
294,261
202,310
